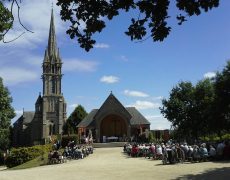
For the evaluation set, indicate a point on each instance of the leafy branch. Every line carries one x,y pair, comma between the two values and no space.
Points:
7,20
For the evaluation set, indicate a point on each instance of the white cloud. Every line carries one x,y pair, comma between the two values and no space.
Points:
33,60
13,75
109,79
79,65
73,105
210,75
35,19
153,117
101,45
135,93
157,98
18,112
145,105
158,122
124,58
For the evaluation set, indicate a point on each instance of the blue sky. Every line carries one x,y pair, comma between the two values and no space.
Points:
139,74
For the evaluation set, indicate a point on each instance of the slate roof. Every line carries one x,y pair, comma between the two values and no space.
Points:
113,104
88,119
28,116
25,118
137,117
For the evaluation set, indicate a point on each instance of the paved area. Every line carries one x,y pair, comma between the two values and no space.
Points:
112,164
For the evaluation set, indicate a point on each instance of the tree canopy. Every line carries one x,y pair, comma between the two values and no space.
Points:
201,109
74,119
6,114
222,101
6,20
150,19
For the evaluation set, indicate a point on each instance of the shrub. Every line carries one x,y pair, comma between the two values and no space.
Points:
66,138
21,155
151,138
226,137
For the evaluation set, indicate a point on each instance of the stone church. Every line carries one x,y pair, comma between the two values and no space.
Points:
50,108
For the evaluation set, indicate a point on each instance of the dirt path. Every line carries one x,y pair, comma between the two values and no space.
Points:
112,164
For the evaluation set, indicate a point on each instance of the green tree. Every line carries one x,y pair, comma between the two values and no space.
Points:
68,128
74,119
178,109
222,100
151,19
6,20
204,97
6,114
151,137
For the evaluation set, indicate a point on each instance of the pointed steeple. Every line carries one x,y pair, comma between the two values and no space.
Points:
52,44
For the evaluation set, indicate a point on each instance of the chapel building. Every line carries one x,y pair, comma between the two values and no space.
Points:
113,121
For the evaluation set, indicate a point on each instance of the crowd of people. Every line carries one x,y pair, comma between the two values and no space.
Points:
71,151
180,152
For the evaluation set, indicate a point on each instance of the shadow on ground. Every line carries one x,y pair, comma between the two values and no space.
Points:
213,174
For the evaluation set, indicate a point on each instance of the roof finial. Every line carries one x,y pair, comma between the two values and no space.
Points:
111,92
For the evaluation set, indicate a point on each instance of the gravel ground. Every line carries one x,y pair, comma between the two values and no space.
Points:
112,164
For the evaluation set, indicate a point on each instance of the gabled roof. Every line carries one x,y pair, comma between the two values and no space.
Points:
26,117
137,117
113,105
88,119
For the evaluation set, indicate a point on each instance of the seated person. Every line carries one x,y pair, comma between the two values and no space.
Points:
134,151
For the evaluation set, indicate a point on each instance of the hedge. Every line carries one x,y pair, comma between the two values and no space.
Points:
21,155
67,138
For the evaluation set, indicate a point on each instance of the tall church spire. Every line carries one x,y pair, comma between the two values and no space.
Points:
52,64
52,44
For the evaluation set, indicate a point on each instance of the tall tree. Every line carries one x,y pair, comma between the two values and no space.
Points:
178,109
74,119
222,102
6,114
204,97
189,108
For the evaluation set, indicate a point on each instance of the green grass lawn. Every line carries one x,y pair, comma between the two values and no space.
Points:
39,161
